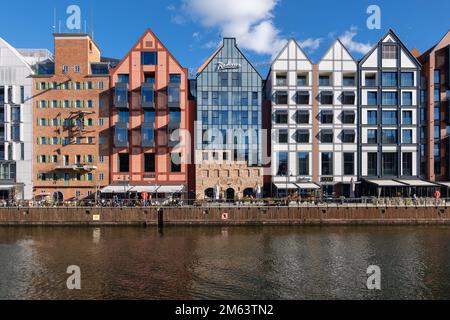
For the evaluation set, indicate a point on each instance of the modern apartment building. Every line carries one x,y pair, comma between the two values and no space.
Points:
335,116
435,112
389,83
16,129
289,87
71,121
150,119
229,126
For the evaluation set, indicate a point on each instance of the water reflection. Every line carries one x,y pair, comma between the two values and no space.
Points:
225,263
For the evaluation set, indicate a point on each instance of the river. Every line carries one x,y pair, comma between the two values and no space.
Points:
225,263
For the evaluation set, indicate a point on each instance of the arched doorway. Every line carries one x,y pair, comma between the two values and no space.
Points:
230,194
249,192
58,197
209,193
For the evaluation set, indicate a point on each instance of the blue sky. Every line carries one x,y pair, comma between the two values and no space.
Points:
191,29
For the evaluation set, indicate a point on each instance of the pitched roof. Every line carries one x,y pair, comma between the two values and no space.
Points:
16,53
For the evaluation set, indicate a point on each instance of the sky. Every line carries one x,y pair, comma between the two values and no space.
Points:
192,29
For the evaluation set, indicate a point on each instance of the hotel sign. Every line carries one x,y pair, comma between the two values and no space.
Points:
221,66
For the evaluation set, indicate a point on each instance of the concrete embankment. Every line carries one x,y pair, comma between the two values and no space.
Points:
336,215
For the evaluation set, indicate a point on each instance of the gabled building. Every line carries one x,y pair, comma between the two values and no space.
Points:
16,123
229,126
150,119
389,90
71,121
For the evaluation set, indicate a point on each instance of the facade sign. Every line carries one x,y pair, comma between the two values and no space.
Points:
221,66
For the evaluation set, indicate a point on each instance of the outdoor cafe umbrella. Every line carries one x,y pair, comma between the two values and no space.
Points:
217,192
352,188
258,191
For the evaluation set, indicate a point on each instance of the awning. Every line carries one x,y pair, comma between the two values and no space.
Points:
445,184
140,189
171,189
283,186
116,189
417,183
308,185
7,187
387,183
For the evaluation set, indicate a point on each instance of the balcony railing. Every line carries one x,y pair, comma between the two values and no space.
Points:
121,95
121,134
76,167
148,95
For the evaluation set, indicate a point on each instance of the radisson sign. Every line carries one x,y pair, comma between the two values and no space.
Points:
227,66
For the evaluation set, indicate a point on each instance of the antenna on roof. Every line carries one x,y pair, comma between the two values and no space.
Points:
92,23
85,26
54,20
59,26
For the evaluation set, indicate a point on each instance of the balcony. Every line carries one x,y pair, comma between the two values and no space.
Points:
148,135
121,134
173,91
121,96
76,167
148,96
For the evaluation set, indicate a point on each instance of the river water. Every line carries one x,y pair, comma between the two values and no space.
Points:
225,263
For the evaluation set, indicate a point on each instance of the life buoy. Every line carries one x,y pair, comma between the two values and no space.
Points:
437,194
224,216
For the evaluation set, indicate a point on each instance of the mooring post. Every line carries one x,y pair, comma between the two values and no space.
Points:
160,218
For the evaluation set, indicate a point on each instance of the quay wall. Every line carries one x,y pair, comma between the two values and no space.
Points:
225,216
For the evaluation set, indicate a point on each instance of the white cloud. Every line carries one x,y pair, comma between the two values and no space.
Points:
311,44
354,46
171,7
250,21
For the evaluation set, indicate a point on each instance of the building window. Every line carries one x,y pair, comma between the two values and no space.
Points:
371,79
372,136
407,99
326,136
407,136
124,162
65,68
101,85
407,79
327,163
407,117
255,99
326,97
303,163
437,158
281,97
348,98
348,117
15,133
324,80
149,162
282,164
389,136
235,79
407,163
437,77
302,80
390,163
349,164
389,52
302,98
389,99
205,98
281,117
372,117
348,136
281,79
348,80
302,117
223,79
389,118
76,69
326,117
283,136
175,162
389,79
149,58
372,163
302,136
372,99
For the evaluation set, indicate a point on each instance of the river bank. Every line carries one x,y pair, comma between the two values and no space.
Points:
318,215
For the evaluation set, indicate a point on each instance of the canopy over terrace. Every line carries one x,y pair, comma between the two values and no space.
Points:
446,186
402,187
296,186
138,189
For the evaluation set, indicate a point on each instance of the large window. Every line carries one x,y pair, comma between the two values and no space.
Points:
348,98
15,133
223,79
324,80
124,116
149,162
327,163
407,117
390,163
407,163
302,98
348,136
326,97
175,162
302,80
302,136
235,79
281,117
389,79
303,163
407,98
389,52
281,79
389,99
389,136
372,136
282,164
348,80
302,117
349,163
149,58
124,162
326,136
437,158
372,98
283,136
348,117
407,79
372,163
372,117
407,136
224,98
326,117
281,97
389,118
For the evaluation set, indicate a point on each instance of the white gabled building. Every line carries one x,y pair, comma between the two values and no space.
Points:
389,138
289,87
16,127
336,114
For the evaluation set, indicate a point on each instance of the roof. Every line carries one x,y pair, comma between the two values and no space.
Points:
16,53
424,55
